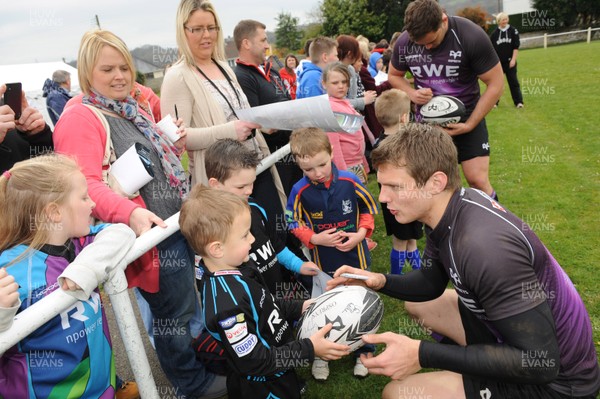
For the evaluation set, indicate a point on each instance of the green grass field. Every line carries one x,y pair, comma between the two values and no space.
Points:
545,166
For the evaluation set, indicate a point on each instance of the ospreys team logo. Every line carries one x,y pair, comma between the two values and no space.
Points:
346,206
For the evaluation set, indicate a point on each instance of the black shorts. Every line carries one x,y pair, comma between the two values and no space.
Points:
410,231
480,388
473,144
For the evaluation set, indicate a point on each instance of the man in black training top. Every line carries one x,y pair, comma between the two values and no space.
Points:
521,327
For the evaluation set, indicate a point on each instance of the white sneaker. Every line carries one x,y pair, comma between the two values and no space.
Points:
320,369
359,369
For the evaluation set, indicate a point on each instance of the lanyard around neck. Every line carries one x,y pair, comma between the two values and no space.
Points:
217,88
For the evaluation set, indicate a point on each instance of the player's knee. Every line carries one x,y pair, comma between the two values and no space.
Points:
479,181
412,308
391,390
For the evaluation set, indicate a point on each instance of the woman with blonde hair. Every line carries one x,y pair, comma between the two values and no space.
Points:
47,244
99,130
506,42
207,96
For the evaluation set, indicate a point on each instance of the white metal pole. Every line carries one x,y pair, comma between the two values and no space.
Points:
41,312
589,35
132,341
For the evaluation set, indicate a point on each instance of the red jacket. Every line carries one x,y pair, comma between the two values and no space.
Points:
290,79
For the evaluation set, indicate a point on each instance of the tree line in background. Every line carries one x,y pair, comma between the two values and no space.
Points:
379,19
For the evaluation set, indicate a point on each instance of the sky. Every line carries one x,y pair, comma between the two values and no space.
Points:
50,30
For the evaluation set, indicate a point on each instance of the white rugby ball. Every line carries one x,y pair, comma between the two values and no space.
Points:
442,110
352,310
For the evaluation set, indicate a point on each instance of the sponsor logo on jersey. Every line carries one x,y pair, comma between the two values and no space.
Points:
228,322
485,393
497,205
454,276
435,71
228,273
262,298
316,215
237,332
199,272
455,54
240,318
80,312
245,346
264,253
346,206
274,319
327,226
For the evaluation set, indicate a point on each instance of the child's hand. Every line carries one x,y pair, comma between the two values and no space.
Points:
327,238
370,96
9,294
309,269
307,303
325,349
69,285
141,220
353,239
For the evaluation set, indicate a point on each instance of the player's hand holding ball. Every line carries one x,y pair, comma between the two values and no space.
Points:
374,281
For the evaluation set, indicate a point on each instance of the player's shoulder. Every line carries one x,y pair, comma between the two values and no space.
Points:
480,214
465,28
403,40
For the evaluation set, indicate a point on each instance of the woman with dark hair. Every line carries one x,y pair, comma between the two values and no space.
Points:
348,54
288,74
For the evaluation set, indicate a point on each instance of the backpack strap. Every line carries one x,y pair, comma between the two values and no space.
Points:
109,156
109,151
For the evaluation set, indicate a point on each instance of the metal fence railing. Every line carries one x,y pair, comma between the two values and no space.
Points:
58,301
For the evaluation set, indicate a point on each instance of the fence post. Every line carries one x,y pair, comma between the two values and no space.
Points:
545,40
589,35
130,334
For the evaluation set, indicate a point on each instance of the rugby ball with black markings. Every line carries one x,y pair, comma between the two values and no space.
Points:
443,110
352,310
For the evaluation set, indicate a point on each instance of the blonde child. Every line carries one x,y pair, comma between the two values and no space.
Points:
44,225
348,148
392,109
252,326
331,213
